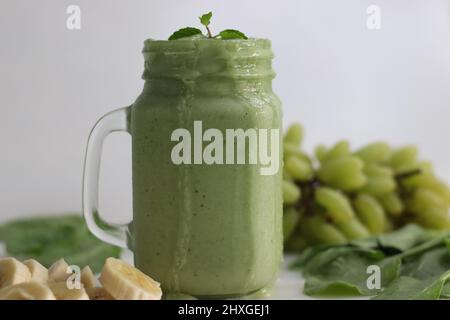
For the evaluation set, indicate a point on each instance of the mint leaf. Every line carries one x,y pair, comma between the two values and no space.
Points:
206,19
184,33
229,34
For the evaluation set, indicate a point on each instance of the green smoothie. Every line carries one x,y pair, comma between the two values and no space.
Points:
208,230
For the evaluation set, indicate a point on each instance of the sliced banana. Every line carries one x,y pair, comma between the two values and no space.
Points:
88,278
59,271
27,291
98,293
39,273
125,282
13,272
63,292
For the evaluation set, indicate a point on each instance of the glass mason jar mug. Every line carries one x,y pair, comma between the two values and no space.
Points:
206,154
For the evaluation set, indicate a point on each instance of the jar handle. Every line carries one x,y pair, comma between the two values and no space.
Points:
115,234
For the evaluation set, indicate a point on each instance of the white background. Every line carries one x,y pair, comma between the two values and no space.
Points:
335,76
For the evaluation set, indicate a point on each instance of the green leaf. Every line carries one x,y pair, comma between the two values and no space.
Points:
48,239
343,271
428,265
400,240
307,254
447,243
416,265
404,238
446,291
206,19
409,288
436,241
366,243
229,34
185,33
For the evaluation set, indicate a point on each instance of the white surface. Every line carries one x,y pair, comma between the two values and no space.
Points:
333,74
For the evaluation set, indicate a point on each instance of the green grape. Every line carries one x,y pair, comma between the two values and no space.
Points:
390,225
429,181
379,185
296,243
423,199
392,203
371,213
377,170
299,169
291,192
339,150
344,173
321,152
426,166
336,204
290,150
434,218
403,159
374,152
430,209
318,231
353,229
287,175
294,134
290,220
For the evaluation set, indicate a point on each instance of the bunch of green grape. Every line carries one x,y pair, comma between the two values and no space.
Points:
341,195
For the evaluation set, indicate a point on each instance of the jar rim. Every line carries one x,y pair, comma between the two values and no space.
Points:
187,44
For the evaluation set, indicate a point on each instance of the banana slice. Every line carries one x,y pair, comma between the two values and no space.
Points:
88,278
27,291
98,293
125,282
58,272
62,292
13,272
39,273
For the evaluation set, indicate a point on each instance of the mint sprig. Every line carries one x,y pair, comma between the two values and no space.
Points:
205,20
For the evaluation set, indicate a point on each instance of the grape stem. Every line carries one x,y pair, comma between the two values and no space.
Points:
407,174
308,189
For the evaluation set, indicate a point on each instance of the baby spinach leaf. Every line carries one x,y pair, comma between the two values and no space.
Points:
404,238
414,264
409,288
447,243
366,243
446,290
436,241
428,265
343,271
48,239
306,256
